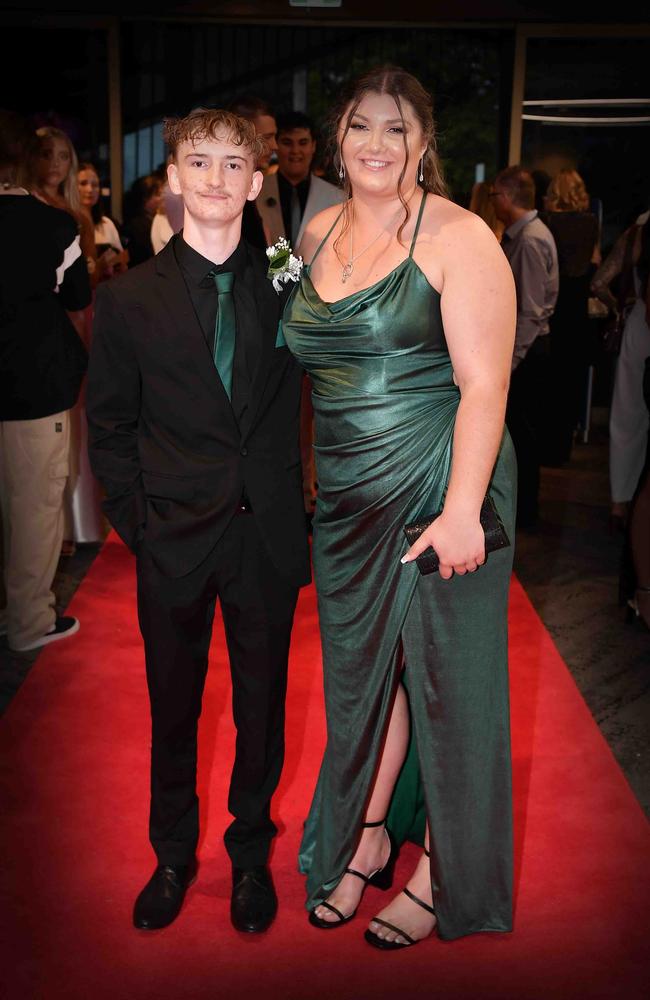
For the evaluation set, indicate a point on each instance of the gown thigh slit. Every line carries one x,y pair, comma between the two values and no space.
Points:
384,409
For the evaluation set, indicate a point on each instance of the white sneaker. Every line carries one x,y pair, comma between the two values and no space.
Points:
62,628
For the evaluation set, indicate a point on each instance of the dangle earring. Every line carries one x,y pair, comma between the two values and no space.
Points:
421,174
342,170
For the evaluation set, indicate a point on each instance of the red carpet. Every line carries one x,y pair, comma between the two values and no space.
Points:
73,796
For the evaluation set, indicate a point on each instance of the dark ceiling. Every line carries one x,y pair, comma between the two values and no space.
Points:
386,11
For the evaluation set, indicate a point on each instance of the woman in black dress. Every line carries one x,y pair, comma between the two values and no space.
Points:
575,230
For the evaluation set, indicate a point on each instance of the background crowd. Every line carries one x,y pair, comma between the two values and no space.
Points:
550,231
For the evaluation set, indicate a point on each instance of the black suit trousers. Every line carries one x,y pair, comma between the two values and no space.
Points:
176,616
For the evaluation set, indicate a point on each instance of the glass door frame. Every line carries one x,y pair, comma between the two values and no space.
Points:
543,30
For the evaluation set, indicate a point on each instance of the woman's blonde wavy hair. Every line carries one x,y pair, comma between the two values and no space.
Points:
70,187
567,193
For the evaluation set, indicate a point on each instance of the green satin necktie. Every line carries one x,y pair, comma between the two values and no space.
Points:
225,329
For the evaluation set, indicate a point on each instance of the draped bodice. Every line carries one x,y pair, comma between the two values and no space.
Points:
375,340
384,408
385,338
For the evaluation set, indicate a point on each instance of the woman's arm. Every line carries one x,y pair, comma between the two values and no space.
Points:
479,316
611,267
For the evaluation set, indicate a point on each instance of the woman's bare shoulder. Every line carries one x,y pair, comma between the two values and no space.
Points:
452,238
444,218
316,230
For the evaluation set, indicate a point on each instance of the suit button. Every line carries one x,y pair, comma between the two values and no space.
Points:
244,452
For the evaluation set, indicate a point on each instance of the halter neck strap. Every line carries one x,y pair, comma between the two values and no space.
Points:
417,224
326,237
333,226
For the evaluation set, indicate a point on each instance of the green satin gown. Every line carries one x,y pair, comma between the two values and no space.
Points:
384,407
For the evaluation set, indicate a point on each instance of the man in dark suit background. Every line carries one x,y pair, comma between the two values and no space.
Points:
193,409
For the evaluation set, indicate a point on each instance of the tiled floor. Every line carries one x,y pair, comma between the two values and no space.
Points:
570,571
569,568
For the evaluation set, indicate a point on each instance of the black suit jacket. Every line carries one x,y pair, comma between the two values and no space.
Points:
163,439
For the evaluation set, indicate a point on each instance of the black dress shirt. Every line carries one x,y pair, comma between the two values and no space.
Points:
286,190
252,228
203,292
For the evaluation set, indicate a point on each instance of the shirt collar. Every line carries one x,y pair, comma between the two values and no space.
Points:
197,267
517,226
301,187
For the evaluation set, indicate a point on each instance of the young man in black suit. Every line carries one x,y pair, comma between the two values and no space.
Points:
193,409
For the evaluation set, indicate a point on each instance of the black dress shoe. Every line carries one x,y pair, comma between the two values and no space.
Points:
253,904
162,897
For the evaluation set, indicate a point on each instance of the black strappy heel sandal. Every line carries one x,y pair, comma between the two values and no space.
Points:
381,943
382,878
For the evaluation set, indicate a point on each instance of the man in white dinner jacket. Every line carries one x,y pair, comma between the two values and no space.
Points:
292,196
289,199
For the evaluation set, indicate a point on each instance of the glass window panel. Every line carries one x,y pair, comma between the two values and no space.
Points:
463,69
611,158
158,146
144,151
130,160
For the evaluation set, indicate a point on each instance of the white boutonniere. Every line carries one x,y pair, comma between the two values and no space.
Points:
283,266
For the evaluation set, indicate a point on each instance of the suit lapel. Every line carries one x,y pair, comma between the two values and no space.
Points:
267,302
179,313
311,208
271,213
321,195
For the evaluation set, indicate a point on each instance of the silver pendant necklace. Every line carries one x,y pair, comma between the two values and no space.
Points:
347,269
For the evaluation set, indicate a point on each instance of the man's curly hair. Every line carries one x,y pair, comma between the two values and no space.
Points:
212,123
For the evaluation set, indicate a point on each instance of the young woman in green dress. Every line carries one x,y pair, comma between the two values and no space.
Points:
404,318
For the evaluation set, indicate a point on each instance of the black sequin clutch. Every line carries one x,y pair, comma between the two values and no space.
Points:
495,535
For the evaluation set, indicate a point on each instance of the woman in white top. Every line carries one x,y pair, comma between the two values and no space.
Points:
111,257
84,519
